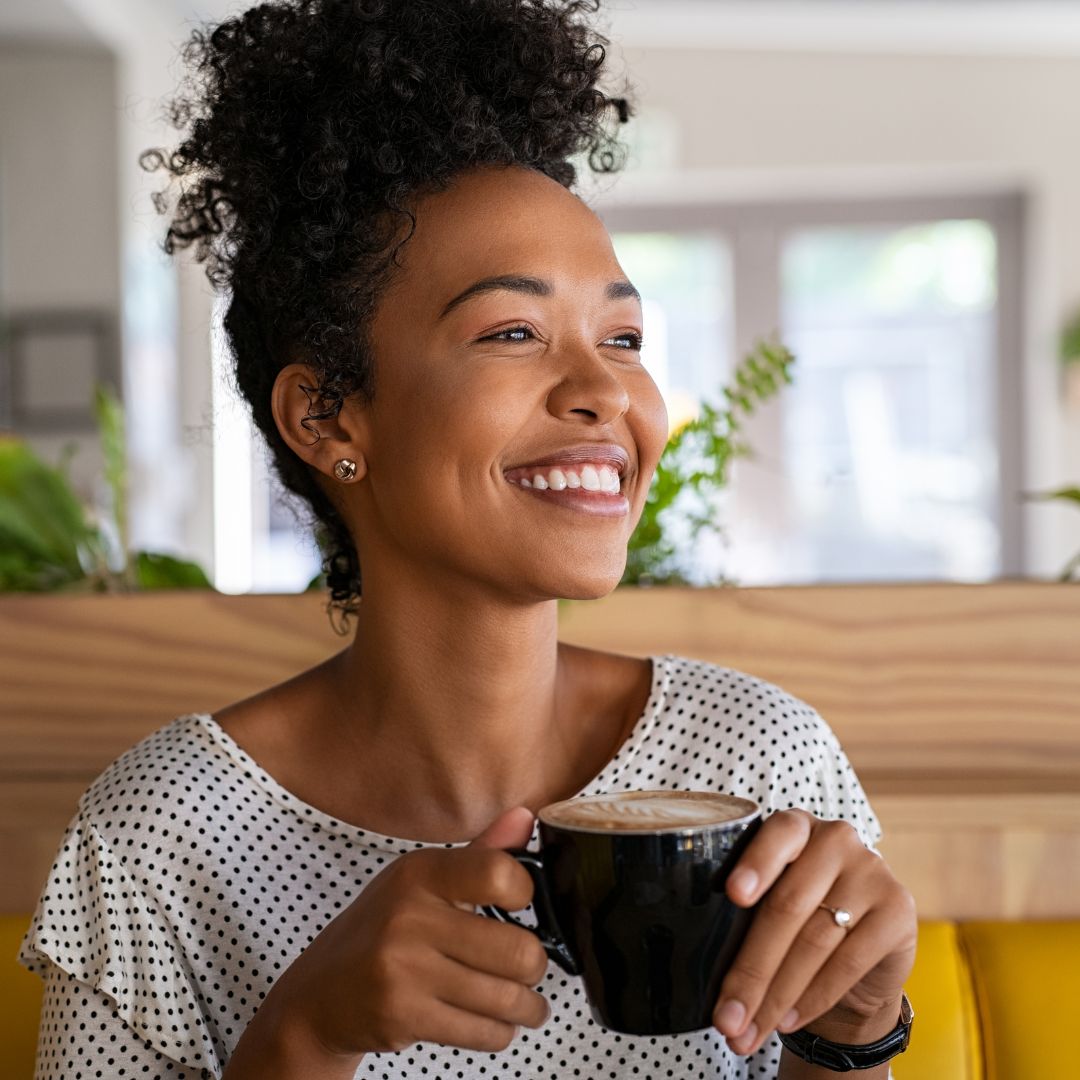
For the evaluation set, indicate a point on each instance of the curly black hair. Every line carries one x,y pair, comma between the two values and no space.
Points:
310,127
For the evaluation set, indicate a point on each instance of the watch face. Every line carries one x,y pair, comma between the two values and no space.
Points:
907,1014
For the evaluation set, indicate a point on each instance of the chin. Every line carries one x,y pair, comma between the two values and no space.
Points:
591,594
566,575
590,588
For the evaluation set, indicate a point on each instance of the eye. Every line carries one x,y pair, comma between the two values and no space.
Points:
634,341
510,335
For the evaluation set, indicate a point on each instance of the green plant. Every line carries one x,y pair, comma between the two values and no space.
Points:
682,503
49,541
1071,572
1070,341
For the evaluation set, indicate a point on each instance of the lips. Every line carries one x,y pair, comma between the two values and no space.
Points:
586,478
597,454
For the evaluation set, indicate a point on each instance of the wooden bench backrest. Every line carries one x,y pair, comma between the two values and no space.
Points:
958,705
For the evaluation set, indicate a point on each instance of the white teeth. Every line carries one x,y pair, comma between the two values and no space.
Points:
603,478
590,478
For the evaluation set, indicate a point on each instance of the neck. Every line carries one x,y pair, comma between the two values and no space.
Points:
468,699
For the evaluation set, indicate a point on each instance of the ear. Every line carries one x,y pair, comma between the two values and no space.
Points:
295,393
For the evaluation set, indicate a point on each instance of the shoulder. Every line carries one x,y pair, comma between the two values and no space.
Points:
710,692
756,739
177,763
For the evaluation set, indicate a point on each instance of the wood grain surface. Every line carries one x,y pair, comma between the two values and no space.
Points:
918,681
958,706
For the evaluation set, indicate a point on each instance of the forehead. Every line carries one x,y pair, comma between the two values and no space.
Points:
502,220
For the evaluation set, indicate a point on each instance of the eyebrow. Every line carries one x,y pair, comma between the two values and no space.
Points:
530,286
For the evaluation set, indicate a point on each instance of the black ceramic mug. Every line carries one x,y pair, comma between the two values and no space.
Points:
629,893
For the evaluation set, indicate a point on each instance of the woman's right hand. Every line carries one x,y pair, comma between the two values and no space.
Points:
410,961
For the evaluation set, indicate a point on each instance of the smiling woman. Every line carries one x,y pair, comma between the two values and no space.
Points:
443,353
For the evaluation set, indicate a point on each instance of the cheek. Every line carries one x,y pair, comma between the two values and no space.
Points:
649,421
444,432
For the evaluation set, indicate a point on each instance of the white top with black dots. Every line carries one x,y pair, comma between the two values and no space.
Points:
189,880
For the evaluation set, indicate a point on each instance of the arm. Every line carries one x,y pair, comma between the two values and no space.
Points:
274,1047
81,1034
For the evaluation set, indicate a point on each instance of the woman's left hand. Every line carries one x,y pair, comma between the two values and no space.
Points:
797,966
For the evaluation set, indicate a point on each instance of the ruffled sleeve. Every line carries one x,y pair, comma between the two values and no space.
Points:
94,923
81,1034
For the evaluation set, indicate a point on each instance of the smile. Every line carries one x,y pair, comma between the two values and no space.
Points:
587,477
588,488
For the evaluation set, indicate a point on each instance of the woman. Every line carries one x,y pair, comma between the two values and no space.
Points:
443,353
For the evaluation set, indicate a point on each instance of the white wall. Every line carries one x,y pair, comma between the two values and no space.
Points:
59,228
750,122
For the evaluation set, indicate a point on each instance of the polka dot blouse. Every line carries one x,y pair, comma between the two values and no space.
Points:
189,880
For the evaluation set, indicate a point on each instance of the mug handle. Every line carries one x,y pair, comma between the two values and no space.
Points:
547,928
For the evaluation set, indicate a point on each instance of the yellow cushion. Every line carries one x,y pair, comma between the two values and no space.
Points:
20,1003
945,1035
1027,984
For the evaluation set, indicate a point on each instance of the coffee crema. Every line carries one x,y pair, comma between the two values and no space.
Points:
647,811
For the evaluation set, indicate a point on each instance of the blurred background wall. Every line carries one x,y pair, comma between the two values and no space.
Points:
59,209
893,188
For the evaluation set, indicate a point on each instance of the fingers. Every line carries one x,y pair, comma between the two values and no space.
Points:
508,952
457,1027
446,976
772,855
858,953
488,996
791,938
770,999
472,876
512,829
778,842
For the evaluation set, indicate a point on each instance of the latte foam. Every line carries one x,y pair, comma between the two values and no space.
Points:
646,811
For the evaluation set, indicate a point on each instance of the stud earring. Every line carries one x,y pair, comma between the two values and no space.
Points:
345,469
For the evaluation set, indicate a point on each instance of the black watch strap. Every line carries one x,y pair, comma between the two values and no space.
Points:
841,1057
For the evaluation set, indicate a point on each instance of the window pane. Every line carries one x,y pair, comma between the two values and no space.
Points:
284,556
685,284
685,281
259,545
889,432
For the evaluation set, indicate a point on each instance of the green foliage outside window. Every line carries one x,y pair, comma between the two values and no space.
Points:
693,470
50,542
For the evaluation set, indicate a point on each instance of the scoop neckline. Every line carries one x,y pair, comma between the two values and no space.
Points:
312,815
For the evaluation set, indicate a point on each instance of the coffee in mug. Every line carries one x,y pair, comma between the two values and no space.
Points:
629,894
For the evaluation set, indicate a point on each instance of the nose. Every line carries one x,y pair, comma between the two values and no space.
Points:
588,390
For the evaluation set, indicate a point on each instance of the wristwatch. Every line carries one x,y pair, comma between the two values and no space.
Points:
840,1057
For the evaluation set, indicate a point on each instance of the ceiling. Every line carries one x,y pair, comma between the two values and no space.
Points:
52,20
977,26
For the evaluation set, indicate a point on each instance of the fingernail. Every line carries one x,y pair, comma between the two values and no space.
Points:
731,1016
789,1022
746,1040
744,881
